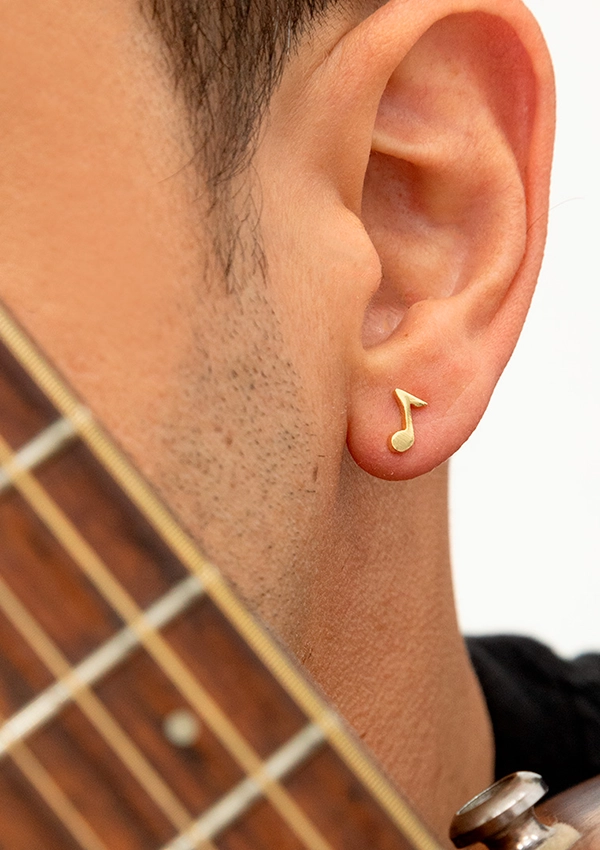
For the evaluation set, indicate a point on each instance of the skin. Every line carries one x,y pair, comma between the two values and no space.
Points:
402,178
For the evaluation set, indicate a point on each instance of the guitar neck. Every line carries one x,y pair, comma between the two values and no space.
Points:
142,705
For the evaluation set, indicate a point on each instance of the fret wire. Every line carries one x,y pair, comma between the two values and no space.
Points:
138,490
98,664
173,666
94,710
226,811
55,798
44,446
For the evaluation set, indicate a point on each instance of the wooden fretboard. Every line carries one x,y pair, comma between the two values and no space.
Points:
142,705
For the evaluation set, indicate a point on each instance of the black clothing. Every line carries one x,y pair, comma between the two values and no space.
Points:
545,711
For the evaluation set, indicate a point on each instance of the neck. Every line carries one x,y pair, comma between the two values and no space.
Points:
376,627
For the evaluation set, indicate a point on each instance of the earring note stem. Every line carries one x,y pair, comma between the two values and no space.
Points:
404,439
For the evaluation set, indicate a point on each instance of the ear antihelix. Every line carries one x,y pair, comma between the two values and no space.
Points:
402,440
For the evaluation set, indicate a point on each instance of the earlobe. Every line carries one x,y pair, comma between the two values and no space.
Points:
426,357
454,201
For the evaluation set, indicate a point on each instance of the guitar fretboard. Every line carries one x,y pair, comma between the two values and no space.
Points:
142,705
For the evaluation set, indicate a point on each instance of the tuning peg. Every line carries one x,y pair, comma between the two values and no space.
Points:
502,816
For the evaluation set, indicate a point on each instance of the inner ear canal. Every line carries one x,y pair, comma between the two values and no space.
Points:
416,251
384,313
387,210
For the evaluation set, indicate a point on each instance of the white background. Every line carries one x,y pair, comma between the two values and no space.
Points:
526,505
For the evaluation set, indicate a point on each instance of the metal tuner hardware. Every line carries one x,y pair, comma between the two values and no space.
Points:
502,816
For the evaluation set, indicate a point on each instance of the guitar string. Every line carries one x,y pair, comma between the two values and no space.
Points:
173,666
99,663
218,589
55,798
226,811
232,805
114,735
42,447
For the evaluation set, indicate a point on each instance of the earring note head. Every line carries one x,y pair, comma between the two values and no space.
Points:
402,440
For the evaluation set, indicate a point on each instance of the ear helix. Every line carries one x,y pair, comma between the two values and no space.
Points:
404,439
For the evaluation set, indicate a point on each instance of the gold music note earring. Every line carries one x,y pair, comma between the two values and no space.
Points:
402,440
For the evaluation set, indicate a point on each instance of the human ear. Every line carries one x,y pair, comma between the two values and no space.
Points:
454,200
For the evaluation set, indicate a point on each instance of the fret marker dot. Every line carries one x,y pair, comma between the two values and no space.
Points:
181,728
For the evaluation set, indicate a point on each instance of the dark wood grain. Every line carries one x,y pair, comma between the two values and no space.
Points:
50,584
140,697
122,538
22,674
579,807
351,820
260,829
25,822
249,695
24,410
99,785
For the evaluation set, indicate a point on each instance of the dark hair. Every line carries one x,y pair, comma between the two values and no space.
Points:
226,57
